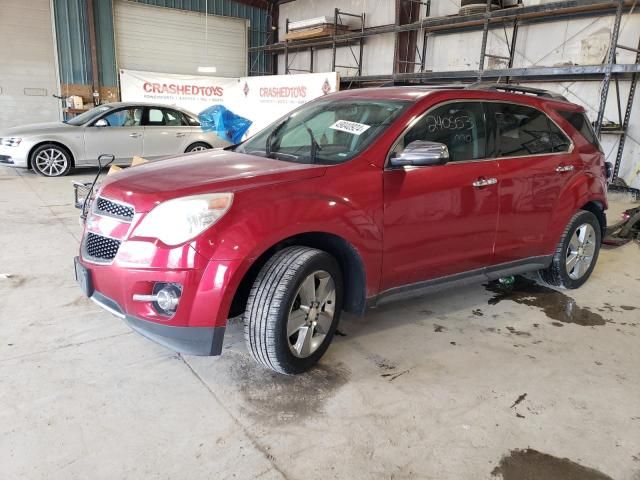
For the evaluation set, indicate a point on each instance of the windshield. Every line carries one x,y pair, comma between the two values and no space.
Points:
88,115
326,132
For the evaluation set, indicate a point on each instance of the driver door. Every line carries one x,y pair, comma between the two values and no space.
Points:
438,220
121,135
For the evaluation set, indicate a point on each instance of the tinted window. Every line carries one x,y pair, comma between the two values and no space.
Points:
126,117
459,125
581,123
526,131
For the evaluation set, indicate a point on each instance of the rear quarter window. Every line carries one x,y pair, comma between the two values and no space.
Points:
581,123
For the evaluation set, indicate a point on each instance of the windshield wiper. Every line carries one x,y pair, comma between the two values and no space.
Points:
315,146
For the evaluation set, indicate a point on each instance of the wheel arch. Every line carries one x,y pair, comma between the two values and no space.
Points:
597,208
346,255
186,150
53,142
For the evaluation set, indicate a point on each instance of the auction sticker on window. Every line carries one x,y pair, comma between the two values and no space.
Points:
350,127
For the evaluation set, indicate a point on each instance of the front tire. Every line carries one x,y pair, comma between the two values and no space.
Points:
51,160
576,254
198,147
293,309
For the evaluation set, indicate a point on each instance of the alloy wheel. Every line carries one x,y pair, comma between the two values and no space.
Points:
580,251
51,162
311,314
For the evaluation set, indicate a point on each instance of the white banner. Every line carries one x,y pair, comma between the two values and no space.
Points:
259,99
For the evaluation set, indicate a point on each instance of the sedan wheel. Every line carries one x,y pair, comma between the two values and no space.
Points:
51,161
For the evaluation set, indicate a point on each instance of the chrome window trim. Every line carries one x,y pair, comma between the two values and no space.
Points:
413,122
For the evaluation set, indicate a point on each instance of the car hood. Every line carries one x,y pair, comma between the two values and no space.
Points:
35,129
144,186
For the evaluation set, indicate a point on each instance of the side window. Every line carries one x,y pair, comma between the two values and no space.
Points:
191,121
459,125
559,141
173,118
126,117
526,131
580,122
155,117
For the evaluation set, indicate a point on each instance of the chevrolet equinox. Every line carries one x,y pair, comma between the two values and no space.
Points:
350,201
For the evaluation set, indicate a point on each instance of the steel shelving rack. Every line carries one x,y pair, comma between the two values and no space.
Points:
512,18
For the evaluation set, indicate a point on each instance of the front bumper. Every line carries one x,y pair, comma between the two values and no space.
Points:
188,340
15,156
197,327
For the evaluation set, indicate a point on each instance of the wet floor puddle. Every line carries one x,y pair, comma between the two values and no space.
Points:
531,464
556,305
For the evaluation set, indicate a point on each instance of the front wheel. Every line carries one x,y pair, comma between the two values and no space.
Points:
197,147
293,309
51,160
576,254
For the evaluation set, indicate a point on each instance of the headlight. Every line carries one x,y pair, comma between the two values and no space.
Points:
176,221
10,141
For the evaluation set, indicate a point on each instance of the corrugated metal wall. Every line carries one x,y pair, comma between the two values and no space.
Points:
73,41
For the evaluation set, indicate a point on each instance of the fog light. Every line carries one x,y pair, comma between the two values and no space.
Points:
167,297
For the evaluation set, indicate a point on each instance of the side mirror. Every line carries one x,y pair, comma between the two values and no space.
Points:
421,153
101,123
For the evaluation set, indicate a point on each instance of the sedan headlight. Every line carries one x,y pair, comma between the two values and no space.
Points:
176,221
10,141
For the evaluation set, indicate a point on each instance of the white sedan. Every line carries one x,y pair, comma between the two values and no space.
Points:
123,130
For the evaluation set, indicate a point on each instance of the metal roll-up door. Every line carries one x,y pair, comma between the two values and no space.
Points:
169,40
27,64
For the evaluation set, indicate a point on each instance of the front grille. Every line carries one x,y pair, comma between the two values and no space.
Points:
5,159
100,248
114,209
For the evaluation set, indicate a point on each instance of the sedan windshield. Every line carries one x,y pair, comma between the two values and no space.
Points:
326,132
88,115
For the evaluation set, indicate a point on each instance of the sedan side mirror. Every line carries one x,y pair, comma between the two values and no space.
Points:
101,123
421,153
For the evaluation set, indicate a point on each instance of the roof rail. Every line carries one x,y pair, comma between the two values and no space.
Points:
517,89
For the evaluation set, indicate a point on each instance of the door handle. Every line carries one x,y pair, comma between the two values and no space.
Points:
564,168
484,182
135,135
180,134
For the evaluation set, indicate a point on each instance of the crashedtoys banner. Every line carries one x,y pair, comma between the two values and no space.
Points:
259,99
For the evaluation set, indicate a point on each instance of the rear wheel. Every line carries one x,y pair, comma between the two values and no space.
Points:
576,254
51,160
293,309
197,147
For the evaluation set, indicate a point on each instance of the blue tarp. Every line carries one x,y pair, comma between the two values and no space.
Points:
225,123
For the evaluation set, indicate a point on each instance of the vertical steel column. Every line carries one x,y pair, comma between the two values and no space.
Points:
286,49
607,72
485,34
627,116
310,59
361,46
335,32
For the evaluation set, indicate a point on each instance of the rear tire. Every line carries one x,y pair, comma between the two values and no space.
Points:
576,254
198,147
293,309
51,160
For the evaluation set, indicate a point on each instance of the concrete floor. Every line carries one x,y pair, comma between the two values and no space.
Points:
465,384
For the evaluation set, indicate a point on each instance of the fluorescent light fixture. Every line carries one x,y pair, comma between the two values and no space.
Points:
207,69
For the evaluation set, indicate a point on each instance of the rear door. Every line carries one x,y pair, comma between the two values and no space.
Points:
122,136
535,163
165,132
438,220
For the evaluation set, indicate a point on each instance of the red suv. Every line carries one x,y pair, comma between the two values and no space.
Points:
350,201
